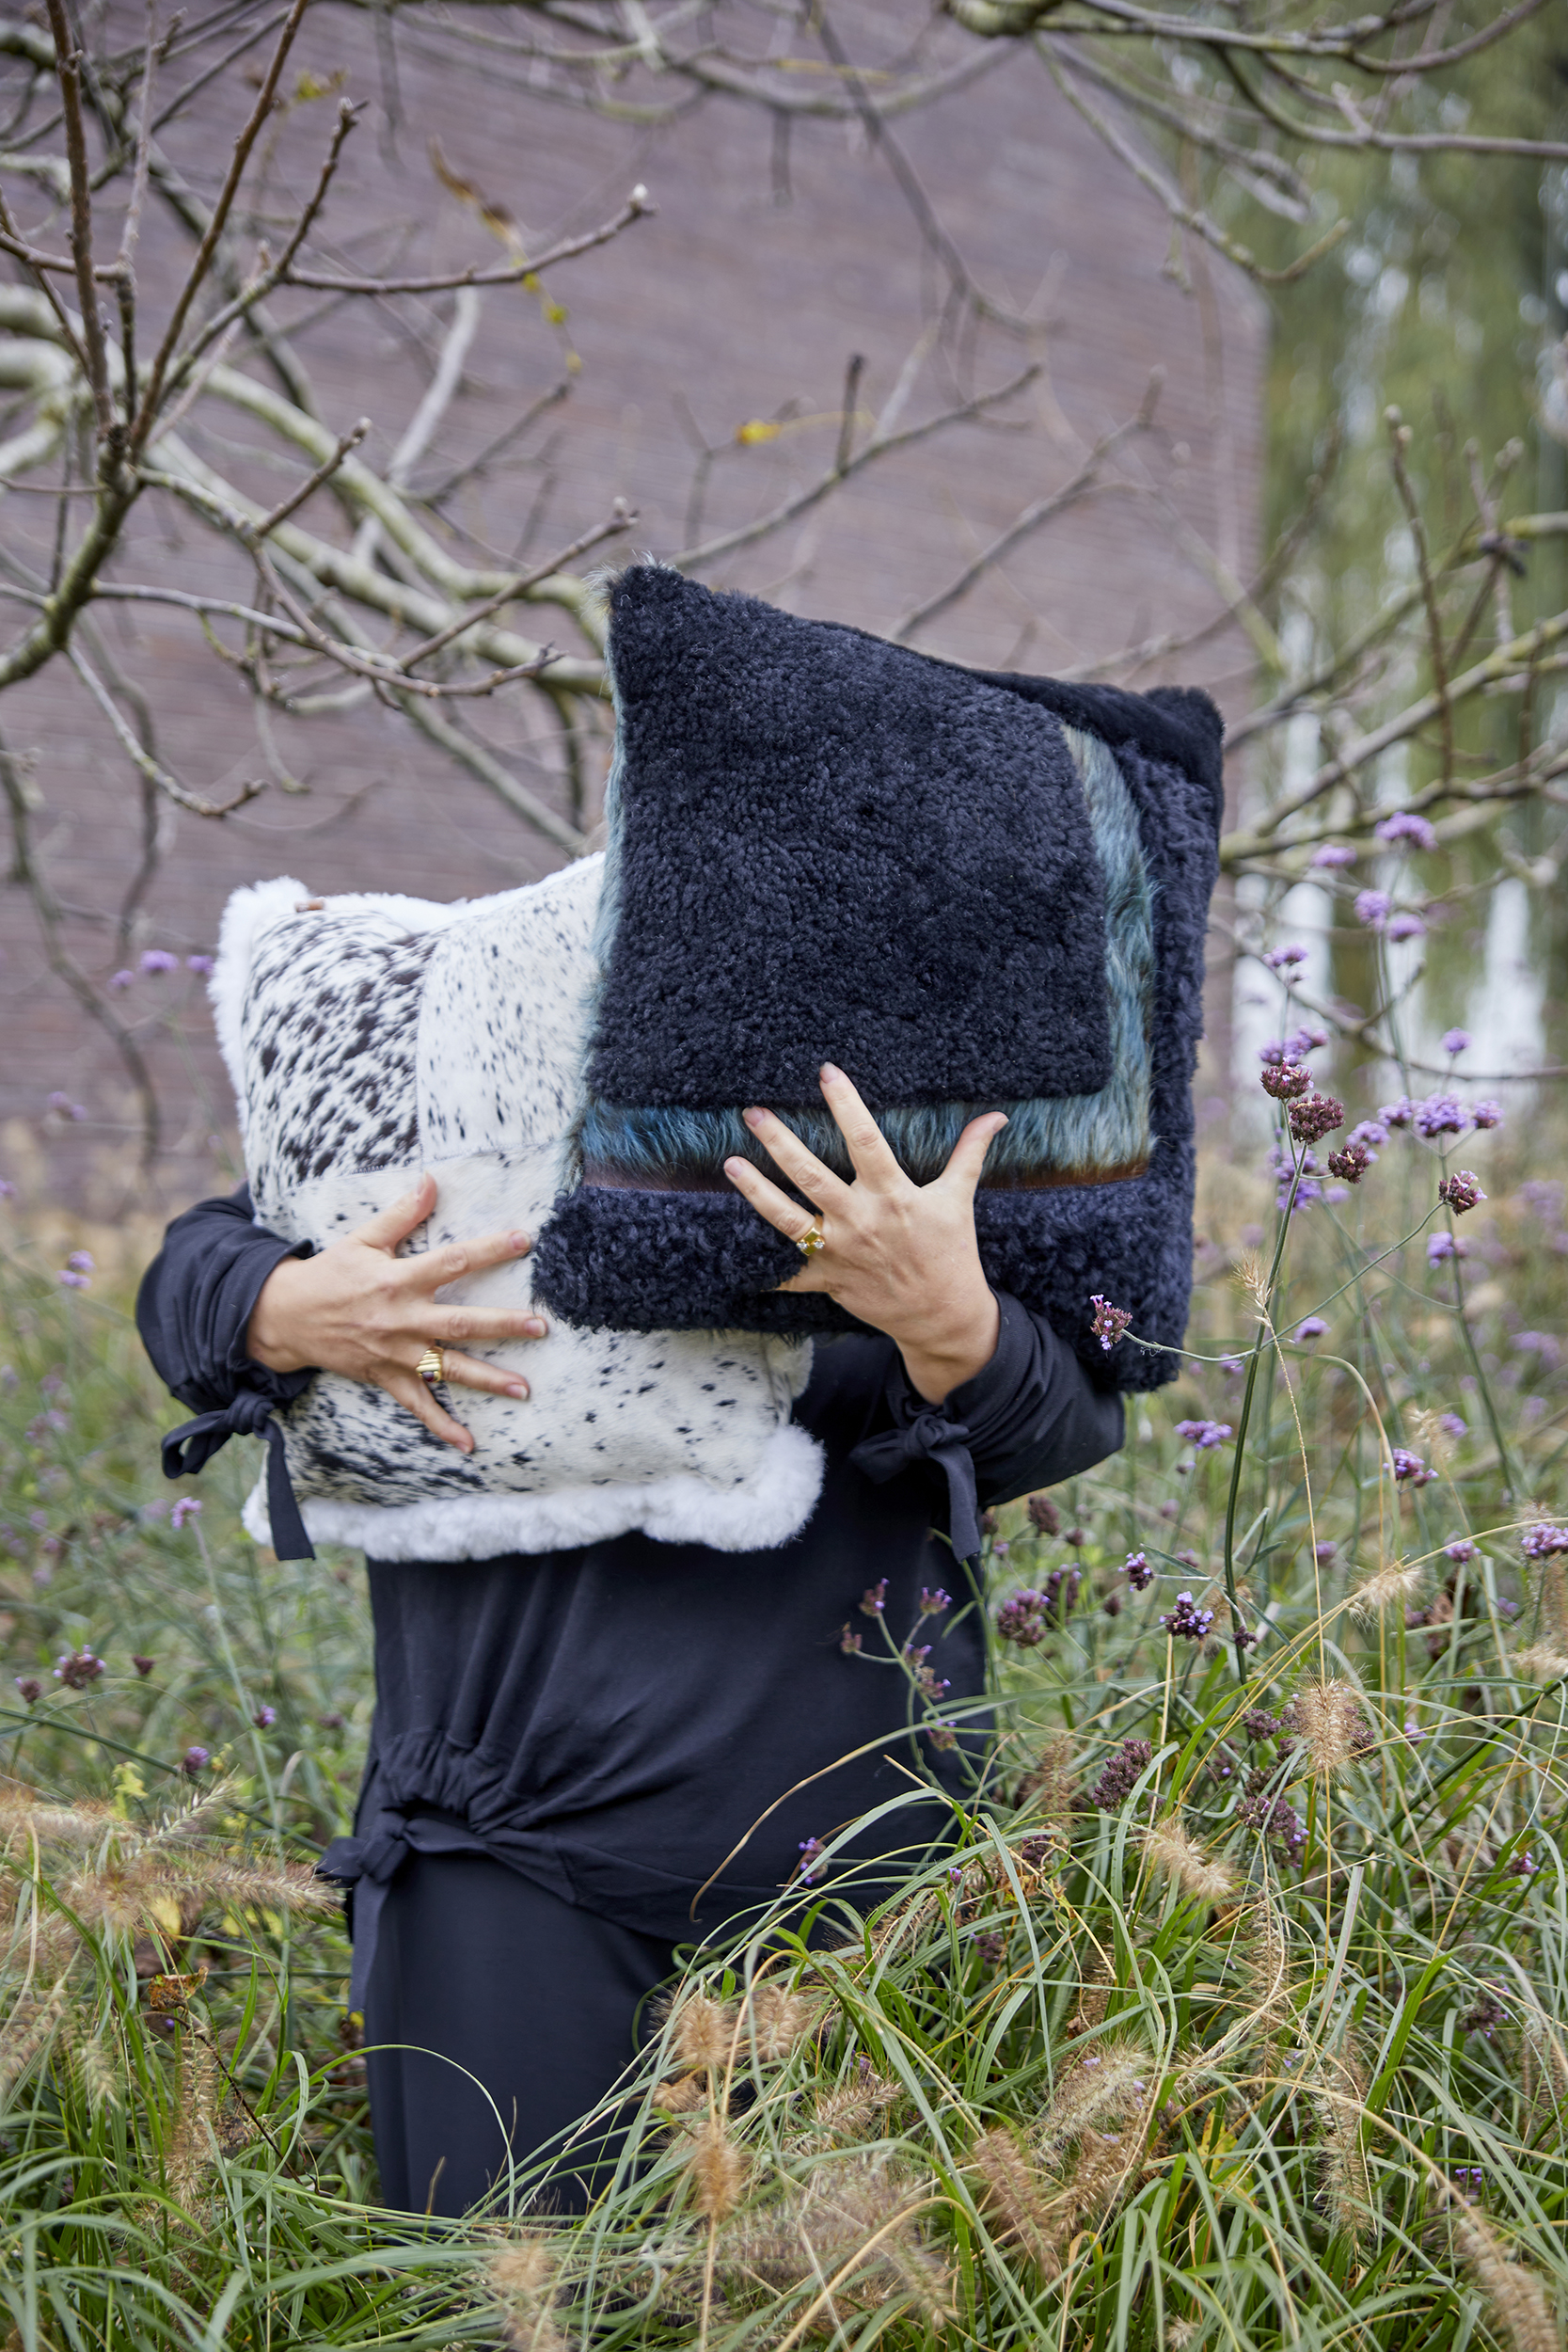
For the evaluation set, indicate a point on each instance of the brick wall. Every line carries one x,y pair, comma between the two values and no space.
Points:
726,306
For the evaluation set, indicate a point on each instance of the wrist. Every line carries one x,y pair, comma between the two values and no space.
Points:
269,1337
952,1349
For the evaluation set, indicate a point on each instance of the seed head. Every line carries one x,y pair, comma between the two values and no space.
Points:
1316,1117
704,2034
781,2019
1333,1729
1117,1782
1396,1582
716,2172
1352,1163
1285,1080
1184,1862
1461,1191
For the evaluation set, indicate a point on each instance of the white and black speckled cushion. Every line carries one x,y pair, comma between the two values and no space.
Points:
370,1038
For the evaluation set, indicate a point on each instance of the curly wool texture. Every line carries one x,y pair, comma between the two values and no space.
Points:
829,848
655,1258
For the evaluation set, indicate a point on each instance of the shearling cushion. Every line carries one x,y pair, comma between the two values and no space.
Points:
370,1039
1073,998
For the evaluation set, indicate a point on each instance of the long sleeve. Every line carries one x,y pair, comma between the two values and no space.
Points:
1029,1419
193,1313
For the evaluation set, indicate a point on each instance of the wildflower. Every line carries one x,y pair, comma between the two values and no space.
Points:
1455,1042
1297,1184
1109,1322
157,959
933,1604
1461,1191
1181,1860
1451,1426
874,1599
1543,1542
1333,1729
1403,826
1440,1114
1406,927
1521,1865
1372,907
264,1718
29,1690
1187,1619
331,1721
1323,1553
1285,958
1115,1783
941,1735
1486,1114
812,1852
1313,1118
1303,1040
1260,1724
143,1665
66,1107
1484,2016
201,966
195,1760
1332,854
1351,1163
70,1281
1139,1574
1312,1327
1270,1815
1400,1114
1044,1517
1285,1080
122,979
848,1643
1460,1551
1413,1730
1409,1469
1205,1435
1232,1367
1441,1246
1369,1134
78,1669
186,1508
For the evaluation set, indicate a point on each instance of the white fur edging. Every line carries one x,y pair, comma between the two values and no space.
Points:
757,1513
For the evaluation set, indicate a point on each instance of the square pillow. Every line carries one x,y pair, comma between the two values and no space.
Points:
968,891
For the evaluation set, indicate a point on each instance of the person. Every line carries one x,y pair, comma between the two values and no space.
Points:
582,1760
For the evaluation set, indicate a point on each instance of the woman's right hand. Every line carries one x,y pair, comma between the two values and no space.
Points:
355,1308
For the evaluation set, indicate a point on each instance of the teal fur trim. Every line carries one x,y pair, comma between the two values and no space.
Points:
1079,1133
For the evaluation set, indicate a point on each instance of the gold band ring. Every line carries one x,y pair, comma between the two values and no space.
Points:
431,1366
812,1239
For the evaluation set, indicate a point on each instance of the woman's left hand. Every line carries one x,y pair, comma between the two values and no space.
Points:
901,1256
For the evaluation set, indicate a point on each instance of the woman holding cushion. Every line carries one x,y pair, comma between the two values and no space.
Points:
575,1754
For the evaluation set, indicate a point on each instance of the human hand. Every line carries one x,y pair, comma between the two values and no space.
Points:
355,1308
901,1256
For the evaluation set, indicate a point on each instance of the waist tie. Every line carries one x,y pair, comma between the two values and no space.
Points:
369,1865
931,1436
192,1446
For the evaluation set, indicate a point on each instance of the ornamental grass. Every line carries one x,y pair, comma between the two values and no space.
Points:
1233,2012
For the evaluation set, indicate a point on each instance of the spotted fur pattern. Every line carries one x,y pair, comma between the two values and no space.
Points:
374,1037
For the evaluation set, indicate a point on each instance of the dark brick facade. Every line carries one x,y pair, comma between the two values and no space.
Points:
726,306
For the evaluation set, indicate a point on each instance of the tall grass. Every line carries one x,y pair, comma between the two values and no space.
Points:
1234,2015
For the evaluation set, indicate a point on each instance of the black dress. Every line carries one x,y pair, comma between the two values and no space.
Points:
580,1759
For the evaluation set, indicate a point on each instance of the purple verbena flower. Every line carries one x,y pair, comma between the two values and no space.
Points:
1441,1114
122,979
80,1261
1304,1041
195,1760
143,1665
264,1718
1451,1426
1371,1134
1460,1551
1404,826
78,1669
1187,1620
186,1508
1455,1042
1312,1327
933,1604
941,1734
29,1690
1285,1080
1285,958
1332,854
69,1281
156,959
1409,1469
1232,1366
1486,1114
201,966
1325,1553
1543,1542
1406,926
1204,1434
1351,1163
1117,1782
66,1107
1400,1114
1272,1816
1461,1191
1109,1322
1374,908
1315,1118
849,1642
1441,1246
1137,1570
874,1599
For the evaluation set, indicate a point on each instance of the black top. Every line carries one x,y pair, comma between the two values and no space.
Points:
614,1721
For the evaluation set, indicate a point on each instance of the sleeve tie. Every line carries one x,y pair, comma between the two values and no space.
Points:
931,1436
249,1414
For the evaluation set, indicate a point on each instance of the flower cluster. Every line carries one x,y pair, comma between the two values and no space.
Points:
1110,1323
1270,1815
186,1508
1543,1542
933,1604
1187,1619
1461,1191
1440,1114
1026,1616
1295,1047
1044,1517
1285,1080
1117,1782
1374,908
1139,1574
1351,1163
1484,2016
1285,958
1205,1435
1441,1246
76,1273
1455,1042
1409,1469
1403,826
1313,1118
1260,1724
195,1760
79,1669
812,1851
1333,854
1460,1551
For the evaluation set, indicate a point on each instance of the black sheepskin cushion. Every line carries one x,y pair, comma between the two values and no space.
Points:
968,891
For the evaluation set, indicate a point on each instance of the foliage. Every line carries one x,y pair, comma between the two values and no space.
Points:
1234,2015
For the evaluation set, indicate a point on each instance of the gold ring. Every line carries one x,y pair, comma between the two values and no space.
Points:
431,1366
812,1239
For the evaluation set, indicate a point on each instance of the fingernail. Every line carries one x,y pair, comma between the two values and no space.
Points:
754,1118
536,1329
831,1070
516,1388
733,1166
521,1242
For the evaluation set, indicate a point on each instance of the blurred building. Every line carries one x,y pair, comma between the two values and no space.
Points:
767,263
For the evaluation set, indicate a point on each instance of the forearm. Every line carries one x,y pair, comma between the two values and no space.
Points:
197,1297
952,1344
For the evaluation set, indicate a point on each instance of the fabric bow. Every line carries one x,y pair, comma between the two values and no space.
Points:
931,1436
249,1414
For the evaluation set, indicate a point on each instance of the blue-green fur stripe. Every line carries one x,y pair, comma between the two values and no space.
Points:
1082,1132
